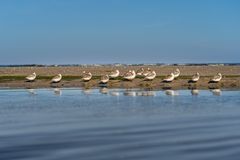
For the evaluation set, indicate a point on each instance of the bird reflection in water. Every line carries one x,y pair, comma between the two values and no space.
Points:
146,93
32,92
114,93
57,91
103,90
87,91
216,92
130,93
195,92
171,93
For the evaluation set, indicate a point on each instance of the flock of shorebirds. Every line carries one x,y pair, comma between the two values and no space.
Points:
130,75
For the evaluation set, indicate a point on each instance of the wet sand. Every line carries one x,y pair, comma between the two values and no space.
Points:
13,77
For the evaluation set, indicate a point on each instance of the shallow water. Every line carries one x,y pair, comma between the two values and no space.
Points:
104,124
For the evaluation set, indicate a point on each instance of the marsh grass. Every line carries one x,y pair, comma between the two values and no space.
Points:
7,78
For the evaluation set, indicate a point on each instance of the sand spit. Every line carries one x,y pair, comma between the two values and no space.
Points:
13,77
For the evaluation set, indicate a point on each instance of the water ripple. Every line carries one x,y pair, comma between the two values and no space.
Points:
102,127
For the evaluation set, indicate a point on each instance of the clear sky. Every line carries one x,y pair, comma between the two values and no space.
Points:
119,31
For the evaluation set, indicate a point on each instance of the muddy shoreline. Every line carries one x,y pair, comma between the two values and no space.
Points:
13,77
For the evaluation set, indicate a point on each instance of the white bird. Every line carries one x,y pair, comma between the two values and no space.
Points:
145,73
217,78
151,75
130,75
176,73
104,79
57,78
169,78
114,74
87,76
31,77
195,77
140,72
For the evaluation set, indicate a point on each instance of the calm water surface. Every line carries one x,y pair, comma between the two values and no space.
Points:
103,124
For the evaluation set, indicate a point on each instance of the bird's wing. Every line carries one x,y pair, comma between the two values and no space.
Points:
86,75
195,76
104,77
30,76
168,76
216,77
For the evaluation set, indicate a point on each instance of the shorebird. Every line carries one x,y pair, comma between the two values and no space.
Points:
151,75
31,77
145,73
217,78
140,72
176,73
195,77
104,79
130,75
57,78
87,76
169,78
114,74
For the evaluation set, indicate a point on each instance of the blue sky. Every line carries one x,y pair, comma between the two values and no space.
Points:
119,31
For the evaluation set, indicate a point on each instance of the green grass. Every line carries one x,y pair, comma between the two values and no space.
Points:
11,78
231,76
